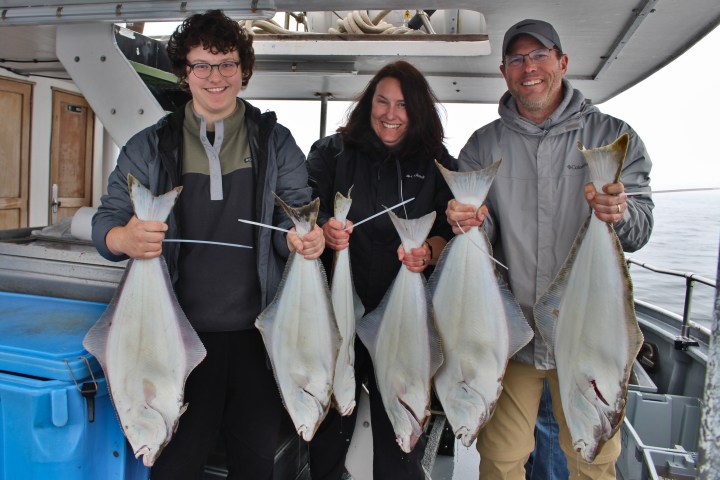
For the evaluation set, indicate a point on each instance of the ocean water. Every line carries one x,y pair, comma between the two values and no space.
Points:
686,237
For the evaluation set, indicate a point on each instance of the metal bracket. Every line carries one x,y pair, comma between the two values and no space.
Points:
87,390
683,343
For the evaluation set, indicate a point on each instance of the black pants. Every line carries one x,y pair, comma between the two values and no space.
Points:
232,392
330,444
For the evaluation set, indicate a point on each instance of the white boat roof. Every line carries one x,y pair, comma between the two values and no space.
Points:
612,44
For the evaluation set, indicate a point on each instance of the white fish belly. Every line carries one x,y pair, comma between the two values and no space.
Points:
592,335
470,317
303,344
343,301
402,358
146,359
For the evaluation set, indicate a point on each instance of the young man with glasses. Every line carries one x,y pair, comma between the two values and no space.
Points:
535,208
229,158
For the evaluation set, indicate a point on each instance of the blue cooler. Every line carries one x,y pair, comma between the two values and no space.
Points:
56,417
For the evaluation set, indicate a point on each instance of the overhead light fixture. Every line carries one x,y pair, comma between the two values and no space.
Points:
49,12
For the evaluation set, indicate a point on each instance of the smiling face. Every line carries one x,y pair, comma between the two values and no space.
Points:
388,116
214,97
537,87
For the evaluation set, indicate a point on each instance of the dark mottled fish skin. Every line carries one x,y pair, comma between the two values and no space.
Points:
145,344
587,317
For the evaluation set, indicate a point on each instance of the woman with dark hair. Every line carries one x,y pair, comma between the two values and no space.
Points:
386,152
229,158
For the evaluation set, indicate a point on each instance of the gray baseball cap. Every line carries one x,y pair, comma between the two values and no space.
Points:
542,31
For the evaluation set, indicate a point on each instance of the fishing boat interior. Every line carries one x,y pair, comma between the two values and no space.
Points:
78,78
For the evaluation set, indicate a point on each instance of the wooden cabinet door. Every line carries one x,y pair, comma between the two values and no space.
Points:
15,102
71,151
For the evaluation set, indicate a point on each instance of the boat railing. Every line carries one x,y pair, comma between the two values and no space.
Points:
690,280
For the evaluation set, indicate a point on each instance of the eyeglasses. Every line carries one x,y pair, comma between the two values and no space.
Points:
536,56
204,70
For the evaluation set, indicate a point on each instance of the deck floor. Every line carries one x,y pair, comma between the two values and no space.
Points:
464,465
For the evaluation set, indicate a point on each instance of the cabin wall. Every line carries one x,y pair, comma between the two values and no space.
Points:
108,160
104,150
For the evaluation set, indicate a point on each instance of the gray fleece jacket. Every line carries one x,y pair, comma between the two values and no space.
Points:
537,202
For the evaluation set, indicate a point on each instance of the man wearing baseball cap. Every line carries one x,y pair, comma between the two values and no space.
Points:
534,210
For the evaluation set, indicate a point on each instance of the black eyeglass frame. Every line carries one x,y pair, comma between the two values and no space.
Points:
212,66
529,55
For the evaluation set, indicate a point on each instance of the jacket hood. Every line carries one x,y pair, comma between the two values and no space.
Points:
574,106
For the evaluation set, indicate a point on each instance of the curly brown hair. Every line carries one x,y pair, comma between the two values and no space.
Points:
215,32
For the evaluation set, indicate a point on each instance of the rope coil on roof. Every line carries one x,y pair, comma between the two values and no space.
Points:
357,22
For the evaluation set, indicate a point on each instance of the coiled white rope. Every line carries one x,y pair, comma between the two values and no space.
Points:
357,22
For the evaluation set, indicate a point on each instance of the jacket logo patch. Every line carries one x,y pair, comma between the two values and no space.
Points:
415,175
576,167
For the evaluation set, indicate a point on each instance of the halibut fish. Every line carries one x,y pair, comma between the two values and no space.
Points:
479,320
145,343
300,333
348,310
403,343
587,318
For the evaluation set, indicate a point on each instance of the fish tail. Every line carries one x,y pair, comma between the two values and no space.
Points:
606,162
470,187
303,217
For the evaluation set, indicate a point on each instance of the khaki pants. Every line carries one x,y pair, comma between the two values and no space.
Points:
507,440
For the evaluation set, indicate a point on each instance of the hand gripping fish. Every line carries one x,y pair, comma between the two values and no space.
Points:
348,310
588,319
479,320
300,333
403,343
145,344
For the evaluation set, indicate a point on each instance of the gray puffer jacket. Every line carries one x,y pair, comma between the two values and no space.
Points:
154,157
537,201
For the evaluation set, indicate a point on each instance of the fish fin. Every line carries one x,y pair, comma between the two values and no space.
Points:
367,327
342,206
606,162
266,318
95,341
357,305
547,309
194,349
519,330
146,205
434,339
470,187
437,273
303,217
413,232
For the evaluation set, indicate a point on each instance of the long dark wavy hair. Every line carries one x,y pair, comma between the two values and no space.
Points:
216,32
425,130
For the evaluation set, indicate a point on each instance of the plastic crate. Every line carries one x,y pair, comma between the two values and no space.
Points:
45,429
640,381
669,423
664,464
